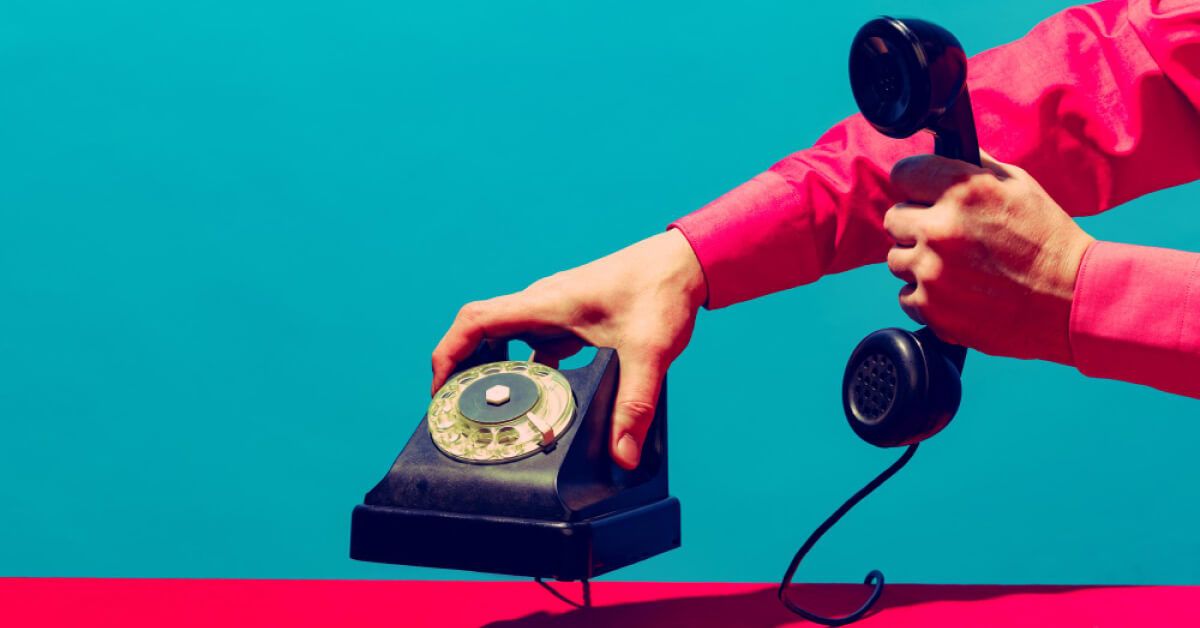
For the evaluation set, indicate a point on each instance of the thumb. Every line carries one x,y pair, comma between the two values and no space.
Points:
637,395
999,168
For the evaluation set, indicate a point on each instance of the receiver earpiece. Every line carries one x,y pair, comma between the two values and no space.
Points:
911,75
902,387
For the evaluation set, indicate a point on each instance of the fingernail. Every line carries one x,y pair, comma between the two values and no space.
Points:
628,450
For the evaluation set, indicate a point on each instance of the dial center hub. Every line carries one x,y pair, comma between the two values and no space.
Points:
498,398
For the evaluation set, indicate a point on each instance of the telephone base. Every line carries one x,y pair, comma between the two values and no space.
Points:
563,550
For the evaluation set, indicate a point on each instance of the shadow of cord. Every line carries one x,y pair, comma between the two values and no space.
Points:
760,608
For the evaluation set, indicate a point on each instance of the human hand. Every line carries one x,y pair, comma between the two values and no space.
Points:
641,301
989,258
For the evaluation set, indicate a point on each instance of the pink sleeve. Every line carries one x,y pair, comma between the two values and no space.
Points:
1136,316
1098,102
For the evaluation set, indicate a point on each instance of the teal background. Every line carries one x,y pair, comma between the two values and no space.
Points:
233,231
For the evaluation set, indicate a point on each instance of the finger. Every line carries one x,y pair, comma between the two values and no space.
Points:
637,396
924,178
902,222
551,351
912,299
900,262
501,317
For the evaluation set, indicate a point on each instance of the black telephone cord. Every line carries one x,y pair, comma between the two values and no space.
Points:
875,577
587,593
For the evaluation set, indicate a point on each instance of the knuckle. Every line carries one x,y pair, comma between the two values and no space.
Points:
916,298
540,284
889,220
547,282
980,188
941,228
931,269
639,411
472,310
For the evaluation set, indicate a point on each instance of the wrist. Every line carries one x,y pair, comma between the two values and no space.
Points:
1066,269
684,267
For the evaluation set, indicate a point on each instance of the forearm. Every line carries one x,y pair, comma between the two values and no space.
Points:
818,211
1135,316
1095,103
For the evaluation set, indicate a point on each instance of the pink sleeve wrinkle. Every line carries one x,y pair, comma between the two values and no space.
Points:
747,212
1099,103
1136,316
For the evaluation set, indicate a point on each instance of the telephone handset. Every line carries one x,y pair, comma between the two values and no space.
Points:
901,387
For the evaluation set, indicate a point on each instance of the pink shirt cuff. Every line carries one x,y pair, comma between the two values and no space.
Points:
1136,316
764,215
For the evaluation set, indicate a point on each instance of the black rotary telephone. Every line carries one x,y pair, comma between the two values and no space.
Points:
901,387
508,472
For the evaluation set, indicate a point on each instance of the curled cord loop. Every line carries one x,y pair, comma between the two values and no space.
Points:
875,577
